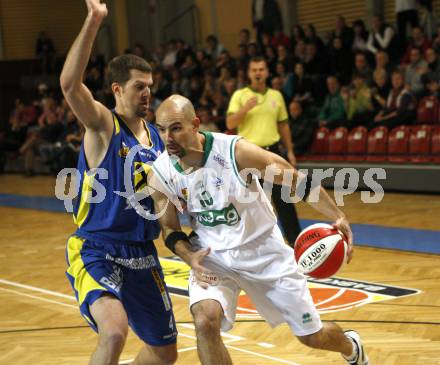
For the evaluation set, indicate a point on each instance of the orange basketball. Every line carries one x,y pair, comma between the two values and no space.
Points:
320,250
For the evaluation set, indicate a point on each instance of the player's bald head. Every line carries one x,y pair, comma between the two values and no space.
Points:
176,106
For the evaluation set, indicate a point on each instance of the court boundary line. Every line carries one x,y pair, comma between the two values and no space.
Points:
65,296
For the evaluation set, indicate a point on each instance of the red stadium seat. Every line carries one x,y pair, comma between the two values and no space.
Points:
377,144
428,111
420,143
357,144
337,148
398,140
319,148
435,144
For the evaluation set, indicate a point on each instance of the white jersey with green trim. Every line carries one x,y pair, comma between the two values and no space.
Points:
225,211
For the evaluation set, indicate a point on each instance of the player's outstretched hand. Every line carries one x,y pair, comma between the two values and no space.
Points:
97,10
203,276
342,225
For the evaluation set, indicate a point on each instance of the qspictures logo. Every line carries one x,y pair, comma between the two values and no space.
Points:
329,295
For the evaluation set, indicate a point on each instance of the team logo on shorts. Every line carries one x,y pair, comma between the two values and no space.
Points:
306,318
329,295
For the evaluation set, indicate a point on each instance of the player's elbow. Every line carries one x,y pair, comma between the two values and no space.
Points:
67,84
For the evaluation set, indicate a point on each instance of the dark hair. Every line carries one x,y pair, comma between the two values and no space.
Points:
258,59
119,68
358,75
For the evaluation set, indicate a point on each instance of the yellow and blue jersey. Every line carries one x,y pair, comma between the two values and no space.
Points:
114,219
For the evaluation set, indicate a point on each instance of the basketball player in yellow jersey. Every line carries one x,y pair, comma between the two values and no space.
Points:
113,265
237,239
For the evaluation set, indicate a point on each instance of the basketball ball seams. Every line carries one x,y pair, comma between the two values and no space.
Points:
333,263
320,250
314,254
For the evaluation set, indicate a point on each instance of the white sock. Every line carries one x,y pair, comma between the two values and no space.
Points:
354,354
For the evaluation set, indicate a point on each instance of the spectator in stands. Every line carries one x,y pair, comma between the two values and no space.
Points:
406,13
158,54
94,80
190,68
280,38
380,89
361,66
206,122
161,87
360,36
218,110
314,64
344,32
358,104
399,108
299,87
271,58
285,58
428,110
300,51
436,41
415,71
49,131
340,61
312,37
45,51
182,53
15,134
276,83
63,151
72,143
139,50
213,47
428,20
283,75
169,58
243,57
433,61
229,87
302,128
225,60
244,37
382,62
253,50
297,35
419,40
332,113
382,38
177,84
266,17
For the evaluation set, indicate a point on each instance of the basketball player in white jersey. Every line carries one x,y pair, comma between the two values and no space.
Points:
238,244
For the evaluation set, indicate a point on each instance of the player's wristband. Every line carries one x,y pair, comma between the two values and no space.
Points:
172,239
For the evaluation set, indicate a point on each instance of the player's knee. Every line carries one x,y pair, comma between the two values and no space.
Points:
207,317
113,340
314,340
168,358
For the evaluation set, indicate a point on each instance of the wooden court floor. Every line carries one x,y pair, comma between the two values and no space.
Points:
40,323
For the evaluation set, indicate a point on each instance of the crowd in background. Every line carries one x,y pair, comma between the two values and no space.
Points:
354,75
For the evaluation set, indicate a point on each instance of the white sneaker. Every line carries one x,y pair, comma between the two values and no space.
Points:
361,357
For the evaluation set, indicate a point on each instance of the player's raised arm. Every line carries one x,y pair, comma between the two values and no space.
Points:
250,156
91,113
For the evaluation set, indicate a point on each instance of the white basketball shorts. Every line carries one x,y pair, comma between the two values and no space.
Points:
266,270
